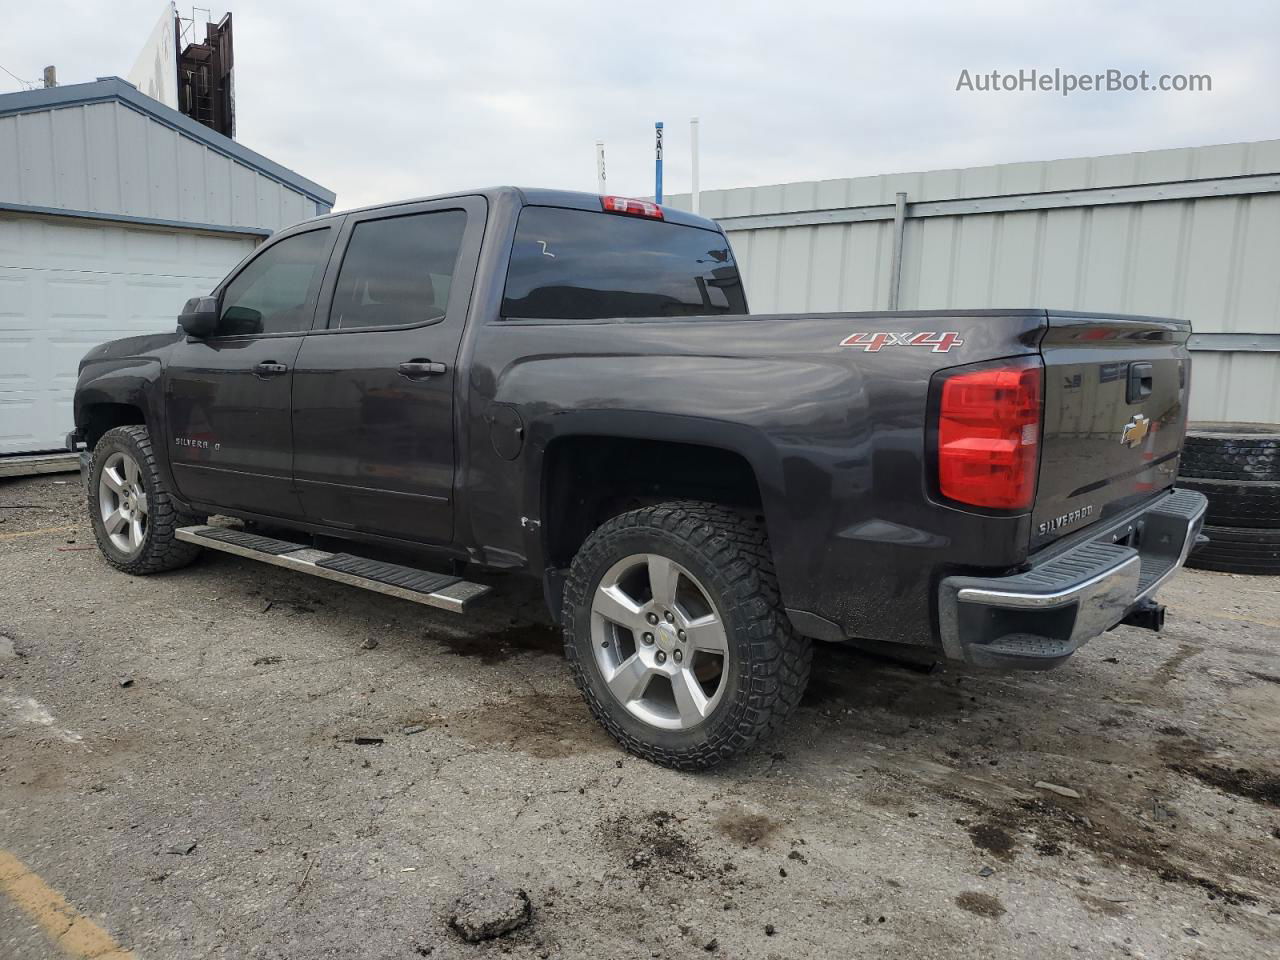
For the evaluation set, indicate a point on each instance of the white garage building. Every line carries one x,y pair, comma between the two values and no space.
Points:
114,209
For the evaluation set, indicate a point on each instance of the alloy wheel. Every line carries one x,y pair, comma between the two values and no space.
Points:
122,502
659,641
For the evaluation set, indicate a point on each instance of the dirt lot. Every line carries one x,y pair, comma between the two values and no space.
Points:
897,816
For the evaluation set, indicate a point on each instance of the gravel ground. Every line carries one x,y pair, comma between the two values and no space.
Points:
346,764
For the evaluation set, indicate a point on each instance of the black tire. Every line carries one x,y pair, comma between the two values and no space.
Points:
767,664
1238,503
1238,550
1232,451
160,548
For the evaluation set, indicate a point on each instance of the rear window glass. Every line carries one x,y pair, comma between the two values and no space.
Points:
581,265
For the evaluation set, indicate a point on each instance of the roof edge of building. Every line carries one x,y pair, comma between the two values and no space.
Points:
113,88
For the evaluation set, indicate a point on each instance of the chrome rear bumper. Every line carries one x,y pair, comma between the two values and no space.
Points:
1038,618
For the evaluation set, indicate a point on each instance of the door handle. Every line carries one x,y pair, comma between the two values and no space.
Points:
421,369
269,368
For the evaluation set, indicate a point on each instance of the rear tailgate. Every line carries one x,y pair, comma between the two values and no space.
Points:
1115,411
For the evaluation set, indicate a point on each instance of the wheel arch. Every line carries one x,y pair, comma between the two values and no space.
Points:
99,416
594,465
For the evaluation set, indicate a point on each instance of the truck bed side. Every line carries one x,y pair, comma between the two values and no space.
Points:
832,426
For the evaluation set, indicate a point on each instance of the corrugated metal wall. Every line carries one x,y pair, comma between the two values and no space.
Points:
105,157
1191,233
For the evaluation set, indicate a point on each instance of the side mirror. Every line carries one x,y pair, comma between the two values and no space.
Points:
199,318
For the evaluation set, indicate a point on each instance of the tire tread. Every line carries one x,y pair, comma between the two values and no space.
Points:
1238,550
1220,454
1238,503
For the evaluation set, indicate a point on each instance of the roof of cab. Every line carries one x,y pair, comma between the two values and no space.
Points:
541,197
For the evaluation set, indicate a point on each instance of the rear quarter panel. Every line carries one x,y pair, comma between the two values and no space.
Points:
835,435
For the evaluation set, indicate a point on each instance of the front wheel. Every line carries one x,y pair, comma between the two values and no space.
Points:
676,634
134,518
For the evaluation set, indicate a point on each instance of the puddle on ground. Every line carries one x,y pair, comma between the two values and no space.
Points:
747,829
993,839
540,725
499,646
1102,906
1169,669
1116,837
1250,784
982,904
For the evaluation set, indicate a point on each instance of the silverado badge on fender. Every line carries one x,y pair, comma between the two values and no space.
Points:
1135,430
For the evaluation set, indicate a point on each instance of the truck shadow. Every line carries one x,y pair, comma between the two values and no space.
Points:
844,678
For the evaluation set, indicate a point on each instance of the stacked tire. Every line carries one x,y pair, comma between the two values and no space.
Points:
1237,466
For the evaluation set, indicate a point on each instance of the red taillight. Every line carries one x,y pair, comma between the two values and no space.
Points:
989,436
636,208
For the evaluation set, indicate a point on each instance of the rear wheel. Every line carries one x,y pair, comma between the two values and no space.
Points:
134,519
677,636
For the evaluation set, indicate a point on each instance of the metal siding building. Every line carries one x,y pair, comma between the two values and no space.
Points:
1192,233
114,209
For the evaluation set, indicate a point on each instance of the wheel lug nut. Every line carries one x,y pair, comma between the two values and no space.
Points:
677,655
647,638
652,617
660,657
682,635
670,617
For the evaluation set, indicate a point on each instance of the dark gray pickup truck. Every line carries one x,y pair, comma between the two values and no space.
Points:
571,386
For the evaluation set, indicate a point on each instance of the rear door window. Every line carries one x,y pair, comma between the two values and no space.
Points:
582,265
398,271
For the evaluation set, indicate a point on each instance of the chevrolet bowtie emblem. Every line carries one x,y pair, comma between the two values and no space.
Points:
1135,430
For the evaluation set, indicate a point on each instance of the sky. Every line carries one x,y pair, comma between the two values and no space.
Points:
388,99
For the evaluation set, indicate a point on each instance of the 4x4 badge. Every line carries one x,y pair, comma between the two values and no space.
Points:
938,342
1135,430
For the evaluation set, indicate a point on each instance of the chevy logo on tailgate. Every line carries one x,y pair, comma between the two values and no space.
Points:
1135,430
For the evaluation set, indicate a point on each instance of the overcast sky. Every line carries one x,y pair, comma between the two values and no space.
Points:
386,99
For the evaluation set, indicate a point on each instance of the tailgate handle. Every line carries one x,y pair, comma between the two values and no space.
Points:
1139,382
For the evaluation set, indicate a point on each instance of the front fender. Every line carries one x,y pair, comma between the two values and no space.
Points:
132,382
128,381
